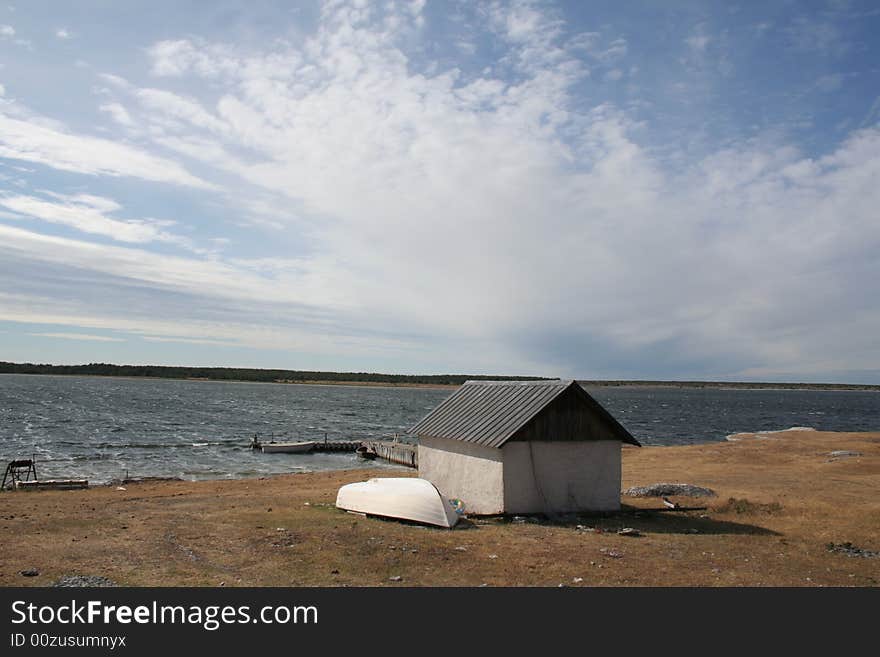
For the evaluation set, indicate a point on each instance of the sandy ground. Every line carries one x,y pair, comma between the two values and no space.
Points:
781,500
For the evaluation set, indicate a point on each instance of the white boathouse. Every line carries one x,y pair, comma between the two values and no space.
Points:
523,447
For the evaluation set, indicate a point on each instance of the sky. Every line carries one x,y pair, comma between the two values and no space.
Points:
606,190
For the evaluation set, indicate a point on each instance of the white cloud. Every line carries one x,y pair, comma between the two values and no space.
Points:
181,340
7,33
178,107
243,280
116,81
466,47
698,42
616,49
63,33
498,218
433,191
32,141
808,34
312,339
523,22
88,214
78,336
118,113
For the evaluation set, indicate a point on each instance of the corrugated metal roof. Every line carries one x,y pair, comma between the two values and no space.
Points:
489,413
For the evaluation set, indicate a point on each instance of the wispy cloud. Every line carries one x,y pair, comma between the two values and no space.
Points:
88,214
78,336
698,42
180,340
815,35
119,114
31,140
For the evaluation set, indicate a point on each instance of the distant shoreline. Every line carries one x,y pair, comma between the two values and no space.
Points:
735,385
195,379
294,377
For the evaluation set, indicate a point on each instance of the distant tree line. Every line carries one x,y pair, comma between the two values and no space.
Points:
308,376
244,374
731,384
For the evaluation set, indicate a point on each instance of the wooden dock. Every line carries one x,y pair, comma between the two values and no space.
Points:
389,450
336,445
396,452
52,484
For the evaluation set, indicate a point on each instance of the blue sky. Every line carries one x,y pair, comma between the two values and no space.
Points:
677,190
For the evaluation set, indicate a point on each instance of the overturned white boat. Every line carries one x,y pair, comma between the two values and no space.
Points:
406,498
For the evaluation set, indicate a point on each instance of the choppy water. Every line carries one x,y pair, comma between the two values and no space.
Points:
105,428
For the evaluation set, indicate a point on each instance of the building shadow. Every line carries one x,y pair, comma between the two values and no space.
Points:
685,520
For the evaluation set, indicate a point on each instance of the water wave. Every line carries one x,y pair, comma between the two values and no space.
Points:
100,428
734,437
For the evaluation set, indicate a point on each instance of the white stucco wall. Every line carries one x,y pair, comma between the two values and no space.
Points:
563,477
566,476
471,473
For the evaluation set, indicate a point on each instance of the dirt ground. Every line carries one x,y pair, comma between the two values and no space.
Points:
782,499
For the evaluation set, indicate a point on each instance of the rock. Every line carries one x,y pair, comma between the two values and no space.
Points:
396,578
30,572
665,490
577,580
84,580
629,531
846,548
524,519
669,504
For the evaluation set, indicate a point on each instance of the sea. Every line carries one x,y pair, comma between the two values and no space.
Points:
105,429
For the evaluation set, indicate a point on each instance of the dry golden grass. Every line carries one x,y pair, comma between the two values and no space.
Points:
781,500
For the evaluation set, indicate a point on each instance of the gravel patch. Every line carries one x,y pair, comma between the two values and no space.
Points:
664,490
84,580
851,550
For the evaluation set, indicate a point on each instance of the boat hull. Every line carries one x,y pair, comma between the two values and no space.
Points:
404,498
288,448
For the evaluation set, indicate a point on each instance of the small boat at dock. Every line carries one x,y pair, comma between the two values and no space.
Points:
288,448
